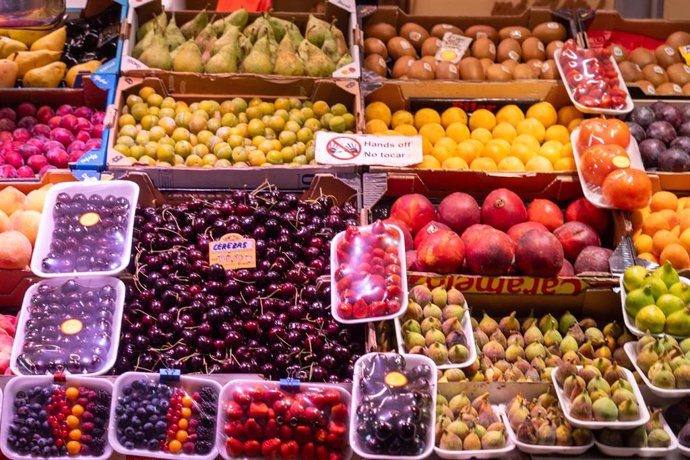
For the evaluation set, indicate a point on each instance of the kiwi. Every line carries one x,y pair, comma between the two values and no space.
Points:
515,32
439,30
431,46
431,60
549,71
446,70
552,47
669,88
510,64
533,48
414,33
398,47
654,74
482,31
678,73
483,48
524,72
618,52
375,46
381,30
509,48
678,39
630,71
536,65
548,32
471,69
498,72
377,64
666,55
646,86
642,57
485,62
686,88
420,70
402,66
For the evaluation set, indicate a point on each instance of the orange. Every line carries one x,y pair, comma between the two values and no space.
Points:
454,163
684,219
684,240
638,216
565,164
453,115
574,124
496,151
677,255
670,216
504,131
653,223
648,256
458,132
664,200
511,164
539,163
544,112
401,117
533,127
378,111
405,130
676,231
568,113
510,114
643,243
484,164
523,151
375,127
432,131
469,150
425,116
429,162
661,239
442,152
682,203
482,135
427,147
482,118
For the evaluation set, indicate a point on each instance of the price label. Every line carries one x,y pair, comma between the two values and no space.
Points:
452,47
232,251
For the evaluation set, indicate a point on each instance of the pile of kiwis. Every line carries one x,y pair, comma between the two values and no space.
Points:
511,53
661,71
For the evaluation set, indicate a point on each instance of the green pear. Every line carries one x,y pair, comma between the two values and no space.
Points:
279,27
316,63
230,36
225,60
156,55
188,58
345,60
340,41
194,27
259,28
142,44
259,59
317,30
206,37
670,303
294,33
173,35
330,48
158,22
238,19
287,61
9,46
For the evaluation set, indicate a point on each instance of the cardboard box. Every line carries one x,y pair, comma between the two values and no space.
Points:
658,29
97,91
498,7
341,12
192,88
381,190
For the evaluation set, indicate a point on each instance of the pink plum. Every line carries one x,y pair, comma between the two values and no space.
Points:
83,136
92,144
98,118
37,162
8,172
64,109
54,122
46,168
25,172
7,125
76,145
69,122
21,134
84,112
58,158
74,155
62,135
14,159
28,150
40,129
8,113
44,114
26,109
97,131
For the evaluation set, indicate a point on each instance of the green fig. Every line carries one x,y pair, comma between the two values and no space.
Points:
604,410
547,322
439,296
652,319
637,438
638,299
667,274
678,323
420,294
681,290
669,303
565,322
658,438
633,277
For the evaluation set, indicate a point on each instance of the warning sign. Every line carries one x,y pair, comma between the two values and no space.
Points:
363,149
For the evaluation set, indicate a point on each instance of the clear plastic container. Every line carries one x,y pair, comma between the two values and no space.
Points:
306,392
186,385
483,453
565,403
80,234
643,452
359,292
398,378
21,383
77,332
537,449
587,82
631,350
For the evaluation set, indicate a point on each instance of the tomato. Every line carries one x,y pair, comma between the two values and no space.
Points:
599,160
627,189
603,131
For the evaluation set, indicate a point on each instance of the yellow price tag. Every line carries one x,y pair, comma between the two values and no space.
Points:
685,52
232,251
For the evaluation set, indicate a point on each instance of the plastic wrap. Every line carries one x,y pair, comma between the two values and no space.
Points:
85,229
70,325
44,417
261,419
368,273
157,418
393,400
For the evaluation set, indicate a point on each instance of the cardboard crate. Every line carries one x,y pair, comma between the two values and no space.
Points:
341,12
192,88
498,7
381,190
97,91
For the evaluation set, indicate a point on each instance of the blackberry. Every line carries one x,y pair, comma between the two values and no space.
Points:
208,394
97,446
208,408
203,447
100,411
203,432
103,397
207,422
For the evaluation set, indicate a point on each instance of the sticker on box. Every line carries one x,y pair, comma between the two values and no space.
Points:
339,149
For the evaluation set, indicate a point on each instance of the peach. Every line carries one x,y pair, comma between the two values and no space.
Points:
458,211
26,222
539,253
407,236
441,252
15,250
582,210
414,210
5,223
545,212
428,229
489,252
593,259
35,199
11,200
567,269
502,209
574,237
516,231
472,231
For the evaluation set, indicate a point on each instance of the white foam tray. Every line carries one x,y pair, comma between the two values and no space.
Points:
644,452
631,351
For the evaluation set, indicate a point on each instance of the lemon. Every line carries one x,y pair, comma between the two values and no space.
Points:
453,115
458,131
496,150
483,135
432,132
511,164
568,113
557,133
375,127
483,164
401,117
551,150
377,111
426,116
544,112
533,127
406,130
469,150
504,130
429,162
565,164
538,163
482,118
510,114
454,163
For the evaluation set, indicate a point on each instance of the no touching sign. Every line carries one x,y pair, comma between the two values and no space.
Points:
363,149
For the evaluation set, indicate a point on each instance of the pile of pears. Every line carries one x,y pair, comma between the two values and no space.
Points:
665,361
268,45
658,301
651,434
464,425
540,421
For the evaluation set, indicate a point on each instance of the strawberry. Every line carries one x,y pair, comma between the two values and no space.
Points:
256,393
258,410
335,441
271,429
332,396
339,412
360,309
252,448
377,309
281,406
308,451
241,397
296,410
317,400
302,434
252,429
290,450
234,429
312,415
320,435
322,453
345,310
337,428
272,395
336,456
285,433
234,446
270,447
234,410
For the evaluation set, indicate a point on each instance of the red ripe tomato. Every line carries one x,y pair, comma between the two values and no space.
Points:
603,131
600,160
627,189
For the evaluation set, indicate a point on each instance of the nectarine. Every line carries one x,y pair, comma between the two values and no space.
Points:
26,222
414,210
15,250
11,200
502,209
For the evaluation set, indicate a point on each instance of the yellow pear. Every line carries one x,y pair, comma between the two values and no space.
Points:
9,46
54,41
27,60
8,73
89,67
25,36
48,76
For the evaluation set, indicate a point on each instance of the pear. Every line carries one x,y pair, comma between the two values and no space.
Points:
47,76
259,59
294,33
316,63
194,27
206,37
144,43
27,60
340,41
317,30
258,29
157,55
173,35
9,46
54,41
238,19
160,22
279,27
25,36
230,36
8,73
330,48
225,60
188,58
86,67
